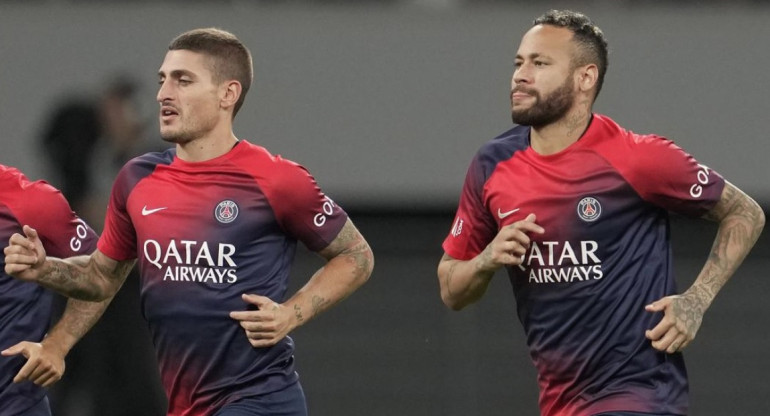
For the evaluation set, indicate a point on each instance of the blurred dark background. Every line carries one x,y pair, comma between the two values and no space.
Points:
385,102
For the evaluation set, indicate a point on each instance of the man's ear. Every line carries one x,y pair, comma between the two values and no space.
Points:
231,92
587,76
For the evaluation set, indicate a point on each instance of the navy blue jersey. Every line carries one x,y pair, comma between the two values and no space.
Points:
25,308
605,254
204,233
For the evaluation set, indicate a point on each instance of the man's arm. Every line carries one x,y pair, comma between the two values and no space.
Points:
740,221
92,278
464,282
350,263
45,360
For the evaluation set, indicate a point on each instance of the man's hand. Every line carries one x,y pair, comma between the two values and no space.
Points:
267,325
24,255
44,366
682,316
509,245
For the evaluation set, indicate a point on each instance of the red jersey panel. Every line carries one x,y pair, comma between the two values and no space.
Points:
204,233
25,308
583,285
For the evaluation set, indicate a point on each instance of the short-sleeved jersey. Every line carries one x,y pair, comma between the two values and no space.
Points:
25,308
605,254
204,233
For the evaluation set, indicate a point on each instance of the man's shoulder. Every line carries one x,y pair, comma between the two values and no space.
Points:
515,135
504,145
147,162
16,185
12,180
141,167
608,128
153,158
257,157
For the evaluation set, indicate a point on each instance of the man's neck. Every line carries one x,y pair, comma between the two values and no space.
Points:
557,136
206,148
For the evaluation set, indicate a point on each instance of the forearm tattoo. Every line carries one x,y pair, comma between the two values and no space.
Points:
70,279
485,258
319,304
353,259
298,313
741,221
75,277
350,246
79,317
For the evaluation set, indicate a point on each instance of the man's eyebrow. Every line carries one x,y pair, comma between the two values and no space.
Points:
533,55
177,73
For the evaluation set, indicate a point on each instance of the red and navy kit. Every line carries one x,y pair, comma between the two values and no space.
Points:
204,233
25,308
605,254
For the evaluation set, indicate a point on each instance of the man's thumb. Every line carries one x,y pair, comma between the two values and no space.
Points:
30,232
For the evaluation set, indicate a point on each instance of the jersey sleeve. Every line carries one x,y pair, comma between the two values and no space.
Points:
118,239
301,208
61,231
667,176
473,227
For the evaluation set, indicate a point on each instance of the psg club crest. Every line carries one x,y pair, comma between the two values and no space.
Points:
589,209
226,211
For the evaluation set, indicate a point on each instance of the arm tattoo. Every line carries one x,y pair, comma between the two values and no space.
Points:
741,221
352,264
690,310
351,246
77,320
85,278
298,313
486,257
319,304
70,279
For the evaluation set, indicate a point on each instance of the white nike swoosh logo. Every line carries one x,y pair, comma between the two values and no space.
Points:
146,211
502,215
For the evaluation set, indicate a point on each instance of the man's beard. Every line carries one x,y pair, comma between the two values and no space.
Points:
177,137
182,135
545,110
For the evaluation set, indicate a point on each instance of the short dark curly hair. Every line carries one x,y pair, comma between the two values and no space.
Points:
592,46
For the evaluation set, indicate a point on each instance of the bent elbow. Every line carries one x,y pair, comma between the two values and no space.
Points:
368,266
454,306
89,295
761,219
97,291
364,267
452,302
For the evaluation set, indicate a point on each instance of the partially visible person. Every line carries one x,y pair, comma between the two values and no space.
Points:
214,224
87,139
576,209
32,360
